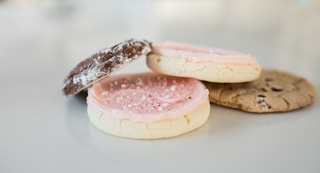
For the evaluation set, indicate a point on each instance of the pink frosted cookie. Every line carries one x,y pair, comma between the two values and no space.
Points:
148,105
142,106
213,65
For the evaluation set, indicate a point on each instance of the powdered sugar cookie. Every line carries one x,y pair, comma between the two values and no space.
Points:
208,64
103,63
273,91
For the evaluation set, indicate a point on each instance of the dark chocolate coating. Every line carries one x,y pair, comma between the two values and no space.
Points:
103,63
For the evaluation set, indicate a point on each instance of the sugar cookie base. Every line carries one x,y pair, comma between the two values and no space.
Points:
153,130
212,72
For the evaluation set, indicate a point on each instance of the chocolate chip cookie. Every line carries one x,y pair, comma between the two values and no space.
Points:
273,91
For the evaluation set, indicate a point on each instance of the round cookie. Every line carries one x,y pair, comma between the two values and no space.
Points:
273,91
148,105
103,63
140,106
208,64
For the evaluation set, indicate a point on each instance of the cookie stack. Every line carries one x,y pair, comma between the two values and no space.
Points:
234,79
175,98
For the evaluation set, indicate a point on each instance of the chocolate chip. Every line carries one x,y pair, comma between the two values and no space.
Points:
260,95
276,89
268,79
263,89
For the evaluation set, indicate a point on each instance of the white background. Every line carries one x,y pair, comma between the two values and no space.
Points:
42,131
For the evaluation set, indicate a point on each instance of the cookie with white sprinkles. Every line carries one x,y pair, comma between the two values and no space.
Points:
103,63
141,105
273,91
148,105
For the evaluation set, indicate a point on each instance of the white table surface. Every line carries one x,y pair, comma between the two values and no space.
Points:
42,131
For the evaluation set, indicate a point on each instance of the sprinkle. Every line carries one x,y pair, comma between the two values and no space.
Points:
123,85
165,104
173,88
105,93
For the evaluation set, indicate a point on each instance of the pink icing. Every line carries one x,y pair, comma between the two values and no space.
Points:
202,54
146,97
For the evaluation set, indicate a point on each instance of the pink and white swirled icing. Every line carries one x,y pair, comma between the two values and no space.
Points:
146,97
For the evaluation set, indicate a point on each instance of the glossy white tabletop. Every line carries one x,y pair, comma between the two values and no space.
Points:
43,131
